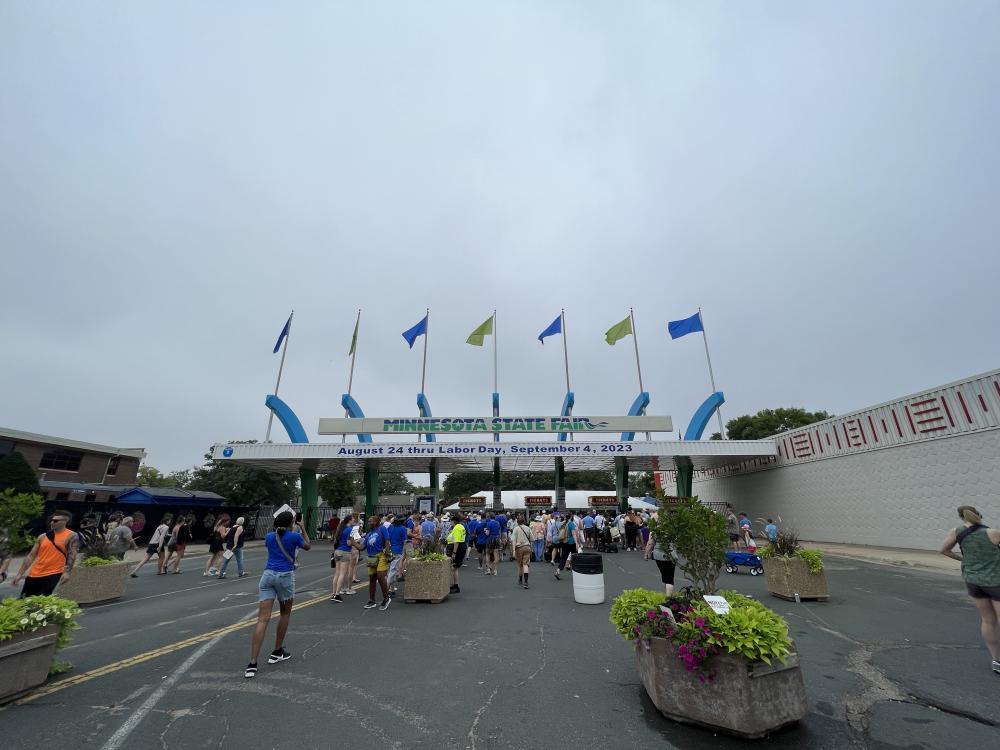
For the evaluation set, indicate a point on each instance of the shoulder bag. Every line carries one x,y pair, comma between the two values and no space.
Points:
277,538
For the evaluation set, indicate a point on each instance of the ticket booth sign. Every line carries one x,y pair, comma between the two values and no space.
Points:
471,503
603,501
538,501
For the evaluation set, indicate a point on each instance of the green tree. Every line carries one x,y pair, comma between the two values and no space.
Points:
641,484
768,422
339,490
697,535
17,510
150,476
466,484
394,483
16,474
242,485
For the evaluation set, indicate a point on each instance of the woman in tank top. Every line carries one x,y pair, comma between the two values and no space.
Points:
980,560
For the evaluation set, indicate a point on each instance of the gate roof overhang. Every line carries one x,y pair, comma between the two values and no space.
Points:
415,458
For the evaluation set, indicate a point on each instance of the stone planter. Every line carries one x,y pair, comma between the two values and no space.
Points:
788,576
427,581
25,660
100,583
746,699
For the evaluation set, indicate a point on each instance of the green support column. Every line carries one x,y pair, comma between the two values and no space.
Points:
435,482
685,477
310,496
371,489
560,487
621,482
497,502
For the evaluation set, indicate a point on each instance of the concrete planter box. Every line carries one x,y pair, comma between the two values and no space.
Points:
100,583
427,581
25,660
788,576
746,699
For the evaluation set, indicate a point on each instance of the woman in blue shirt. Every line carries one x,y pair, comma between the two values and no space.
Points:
348,540
378,566
277,582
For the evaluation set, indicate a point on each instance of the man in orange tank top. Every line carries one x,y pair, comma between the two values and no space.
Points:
51,559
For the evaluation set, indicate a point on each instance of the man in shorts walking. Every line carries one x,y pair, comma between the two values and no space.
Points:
51,559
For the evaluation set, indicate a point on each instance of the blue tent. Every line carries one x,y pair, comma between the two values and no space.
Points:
171,496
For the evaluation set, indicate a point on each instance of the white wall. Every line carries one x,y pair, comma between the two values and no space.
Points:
898,496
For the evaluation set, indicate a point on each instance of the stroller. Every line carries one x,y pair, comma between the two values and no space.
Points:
746,559
607,539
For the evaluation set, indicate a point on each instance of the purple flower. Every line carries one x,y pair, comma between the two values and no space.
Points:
650,613
701,653
700,622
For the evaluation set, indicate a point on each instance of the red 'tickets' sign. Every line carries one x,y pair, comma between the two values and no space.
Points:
472,502
538,500
603,500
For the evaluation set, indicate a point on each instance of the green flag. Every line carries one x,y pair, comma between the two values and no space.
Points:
354,338
486,329
619,331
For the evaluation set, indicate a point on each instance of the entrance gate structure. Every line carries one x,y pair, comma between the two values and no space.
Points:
521,452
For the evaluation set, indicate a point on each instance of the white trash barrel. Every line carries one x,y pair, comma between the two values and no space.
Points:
588,578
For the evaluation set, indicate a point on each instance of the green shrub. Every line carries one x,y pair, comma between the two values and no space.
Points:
429,552
630,607
813,558
17,509
93,562
27,615
786,544
697,535
749,629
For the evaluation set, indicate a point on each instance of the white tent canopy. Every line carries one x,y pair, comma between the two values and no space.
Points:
575,499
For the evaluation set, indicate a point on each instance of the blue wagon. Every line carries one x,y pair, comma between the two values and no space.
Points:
734,560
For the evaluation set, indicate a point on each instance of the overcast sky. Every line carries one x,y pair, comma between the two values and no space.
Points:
821,178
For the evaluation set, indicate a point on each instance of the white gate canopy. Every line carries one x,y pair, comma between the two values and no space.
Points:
415,458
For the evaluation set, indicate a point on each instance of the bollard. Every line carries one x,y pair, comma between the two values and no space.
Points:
797,599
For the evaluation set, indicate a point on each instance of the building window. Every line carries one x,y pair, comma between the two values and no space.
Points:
61,459
62,497
113,465
6,446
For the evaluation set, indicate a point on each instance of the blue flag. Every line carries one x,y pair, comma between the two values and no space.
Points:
417,330
554,328
284,332
680,328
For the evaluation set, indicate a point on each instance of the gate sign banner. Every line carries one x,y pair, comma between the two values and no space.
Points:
419,425
603,501
471,503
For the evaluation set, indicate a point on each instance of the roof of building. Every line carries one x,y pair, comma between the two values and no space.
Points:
174,493
84,486
31,437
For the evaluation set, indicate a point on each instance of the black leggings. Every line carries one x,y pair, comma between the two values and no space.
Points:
666,571
565,550
631,532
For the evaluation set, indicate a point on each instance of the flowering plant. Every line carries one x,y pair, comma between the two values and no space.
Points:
34,612
689,630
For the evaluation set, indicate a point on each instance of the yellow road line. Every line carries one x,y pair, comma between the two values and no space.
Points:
131,661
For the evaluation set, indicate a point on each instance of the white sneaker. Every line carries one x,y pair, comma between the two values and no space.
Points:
351,592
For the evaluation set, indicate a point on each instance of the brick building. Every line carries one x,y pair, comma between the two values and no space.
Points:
71,470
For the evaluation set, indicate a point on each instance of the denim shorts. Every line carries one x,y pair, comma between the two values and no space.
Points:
276,585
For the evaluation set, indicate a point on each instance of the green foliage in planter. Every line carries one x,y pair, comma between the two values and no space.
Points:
787,545
98,547
27,615
93,562
630,607
429,552
17,509
749,629
697,535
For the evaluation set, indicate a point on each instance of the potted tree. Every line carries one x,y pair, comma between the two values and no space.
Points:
428,575
31,630
98,577
792,570
736,656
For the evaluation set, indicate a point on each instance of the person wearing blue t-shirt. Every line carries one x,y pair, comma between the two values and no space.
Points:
481,538
397,535
504,534
493,545
588,529
378,567
428,529
346,545
277,582
771,530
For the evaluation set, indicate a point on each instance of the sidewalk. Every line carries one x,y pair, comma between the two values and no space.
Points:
895,556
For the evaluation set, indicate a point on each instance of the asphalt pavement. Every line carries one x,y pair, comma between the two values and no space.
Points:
894,659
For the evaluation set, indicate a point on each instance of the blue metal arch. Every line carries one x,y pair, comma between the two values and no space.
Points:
567,411
696,427
287,418
353,410
637,410
425,411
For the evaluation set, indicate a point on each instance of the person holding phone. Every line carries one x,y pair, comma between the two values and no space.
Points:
348,541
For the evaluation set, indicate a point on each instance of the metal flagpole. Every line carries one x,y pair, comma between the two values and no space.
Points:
350,377
496,413
562,325
423,368
711,375
270,416
635,341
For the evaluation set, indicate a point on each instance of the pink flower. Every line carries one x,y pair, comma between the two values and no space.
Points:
700,622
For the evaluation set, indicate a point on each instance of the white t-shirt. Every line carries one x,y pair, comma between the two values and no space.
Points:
599,521
158,535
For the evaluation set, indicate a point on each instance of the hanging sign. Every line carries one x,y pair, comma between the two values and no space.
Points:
471,503
419,425
603,501
538,501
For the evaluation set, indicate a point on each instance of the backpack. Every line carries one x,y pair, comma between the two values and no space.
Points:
563,533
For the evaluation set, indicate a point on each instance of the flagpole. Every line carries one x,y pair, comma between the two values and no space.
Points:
635,340
562,325
711,375
284,348
495,352
423,368
350,377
